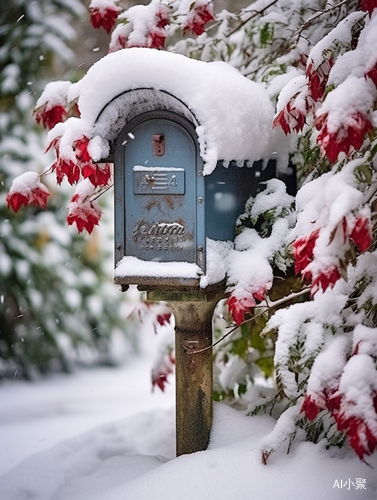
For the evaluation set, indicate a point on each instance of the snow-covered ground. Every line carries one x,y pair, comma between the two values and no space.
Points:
101,434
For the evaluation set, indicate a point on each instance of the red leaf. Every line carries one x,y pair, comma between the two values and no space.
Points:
156,38
104,17
118,43
56,166
290,118
83,212
162,370
25,189
54,143
310,407
372,74
50,116
16,200
160,380
281,120
239,307
326,278
83,220
303,250
81,150
197,18
163,319
362,233
162,15
98,176
368,6
71,170
349,136
333,402
39,197
317,78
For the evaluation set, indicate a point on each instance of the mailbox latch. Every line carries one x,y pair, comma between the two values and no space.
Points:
159,144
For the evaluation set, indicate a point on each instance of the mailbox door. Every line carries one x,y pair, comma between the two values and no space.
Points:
159,163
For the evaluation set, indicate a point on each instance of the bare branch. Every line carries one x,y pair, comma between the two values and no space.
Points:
310,21
255,13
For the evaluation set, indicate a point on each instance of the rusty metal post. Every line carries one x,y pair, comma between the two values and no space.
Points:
193,331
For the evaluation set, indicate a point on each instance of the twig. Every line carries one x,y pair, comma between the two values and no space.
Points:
100,193
254,14
272,305
46,172
197,351
310,21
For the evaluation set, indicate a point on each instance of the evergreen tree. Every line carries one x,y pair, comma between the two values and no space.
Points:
57,303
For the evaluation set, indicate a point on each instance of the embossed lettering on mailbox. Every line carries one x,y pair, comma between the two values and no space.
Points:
158,215
166,236
158,180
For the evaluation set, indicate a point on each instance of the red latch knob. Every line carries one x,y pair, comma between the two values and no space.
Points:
159,144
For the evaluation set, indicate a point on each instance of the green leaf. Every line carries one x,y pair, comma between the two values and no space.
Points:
266,34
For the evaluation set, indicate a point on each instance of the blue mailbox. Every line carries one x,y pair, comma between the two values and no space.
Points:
187,140
165,208
159,211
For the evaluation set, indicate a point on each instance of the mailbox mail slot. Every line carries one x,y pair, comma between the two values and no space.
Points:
158,212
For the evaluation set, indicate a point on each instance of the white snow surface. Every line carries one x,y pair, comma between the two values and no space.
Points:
26,183
132,266
133,458
234,115
55,93
217,255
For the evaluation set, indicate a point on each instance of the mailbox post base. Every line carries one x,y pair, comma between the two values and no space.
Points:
193,313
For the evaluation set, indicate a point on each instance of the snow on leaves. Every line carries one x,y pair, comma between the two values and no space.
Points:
250,269
50,116
317,78
145,25
201,13
361,233
327,273
83,209
52,106
341,111
141,26
103,14
346,386
79,164
303,251
347,138
98,174
239,307
26,189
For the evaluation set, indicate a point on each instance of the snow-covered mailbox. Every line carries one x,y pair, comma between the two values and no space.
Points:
165,208
178,131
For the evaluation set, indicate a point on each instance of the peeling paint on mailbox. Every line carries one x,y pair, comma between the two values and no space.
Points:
157,215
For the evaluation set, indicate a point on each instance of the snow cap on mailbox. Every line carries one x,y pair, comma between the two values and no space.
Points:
233,114
167,122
